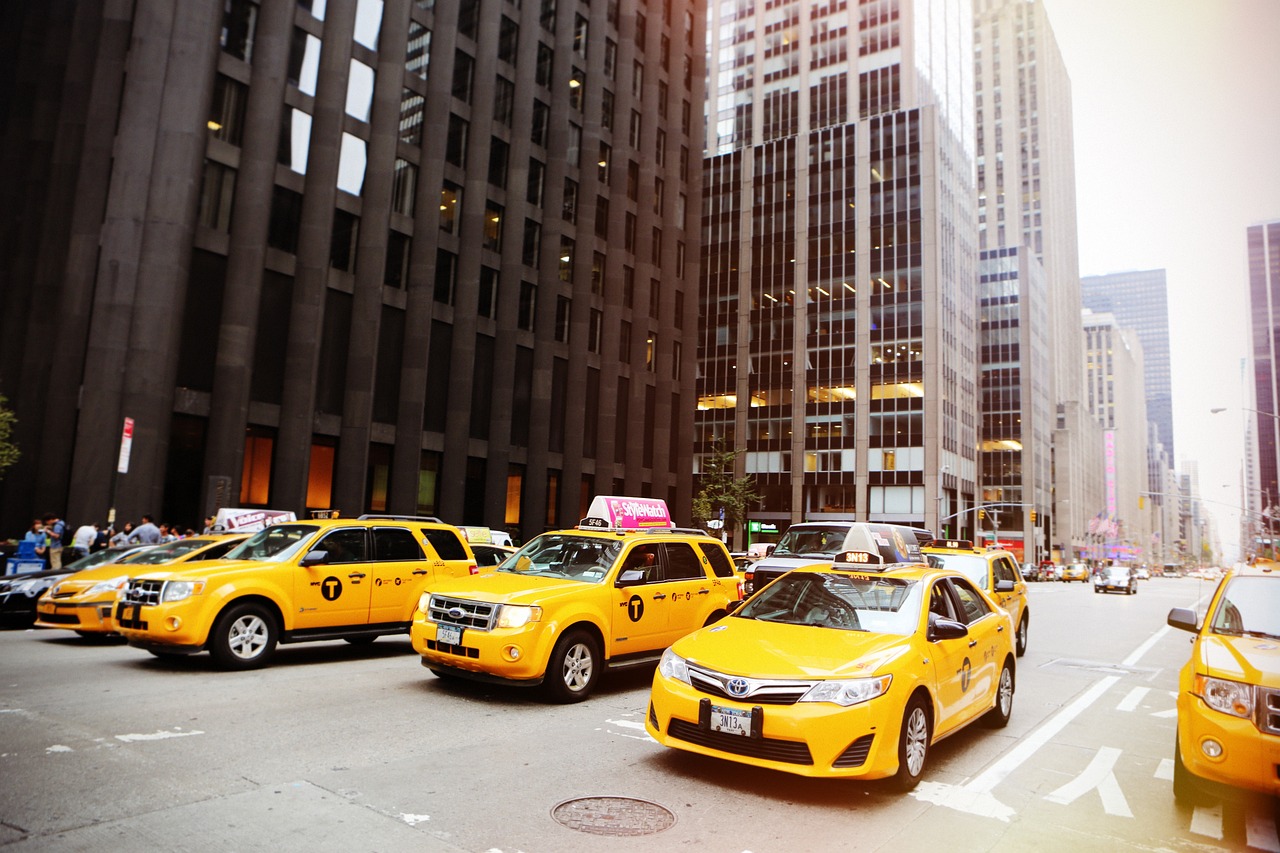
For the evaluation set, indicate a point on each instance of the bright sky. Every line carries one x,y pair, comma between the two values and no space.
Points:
1177,126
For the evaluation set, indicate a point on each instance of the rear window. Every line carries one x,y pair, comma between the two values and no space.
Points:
721,565
394,544
447,544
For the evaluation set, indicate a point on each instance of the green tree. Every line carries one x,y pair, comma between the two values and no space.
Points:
720,488
8,450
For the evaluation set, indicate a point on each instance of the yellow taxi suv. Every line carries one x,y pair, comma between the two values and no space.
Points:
1229,691
611,593
849,670
325,579
995,573
84,601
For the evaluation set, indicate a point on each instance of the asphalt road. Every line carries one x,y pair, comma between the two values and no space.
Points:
345,748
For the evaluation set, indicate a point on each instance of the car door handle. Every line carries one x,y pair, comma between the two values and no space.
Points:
355,576
657,596
1000,629
419,571
704,592
973,643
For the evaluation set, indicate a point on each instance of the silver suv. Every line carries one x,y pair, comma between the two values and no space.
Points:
820,541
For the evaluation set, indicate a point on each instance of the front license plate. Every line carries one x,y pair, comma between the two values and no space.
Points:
730,721
450,635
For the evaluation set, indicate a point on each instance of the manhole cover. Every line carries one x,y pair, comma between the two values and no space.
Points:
613,816
1099,666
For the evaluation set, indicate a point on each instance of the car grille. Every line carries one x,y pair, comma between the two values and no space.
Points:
757,691
68,593
856,754
446,649
477,615
60,618
1269,710
145,592
768,749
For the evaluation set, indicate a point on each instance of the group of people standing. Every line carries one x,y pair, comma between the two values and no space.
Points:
48,536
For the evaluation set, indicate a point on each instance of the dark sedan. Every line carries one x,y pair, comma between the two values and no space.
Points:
18,593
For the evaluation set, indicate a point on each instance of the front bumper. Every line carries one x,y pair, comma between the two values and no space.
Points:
488,655
807,738
1250,758
89,616
172,626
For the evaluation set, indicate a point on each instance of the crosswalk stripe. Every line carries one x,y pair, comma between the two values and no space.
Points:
1165,770
1260,832
1129,702
1207,820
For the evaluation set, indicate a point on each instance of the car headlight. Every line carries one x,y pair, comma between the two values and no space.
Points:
181,590
107,586
848,692
673,666
424,603
1229,697
518,615
27,588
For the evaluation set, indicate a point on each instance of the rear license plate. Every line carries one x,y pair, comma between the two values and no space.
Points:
450,635
730,721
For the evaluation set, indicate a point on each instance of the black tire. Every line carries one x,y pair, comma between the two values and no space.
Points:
1098,590
574,667
164,655
244,636
360,640
998,716
913,745
1020,638
1185,788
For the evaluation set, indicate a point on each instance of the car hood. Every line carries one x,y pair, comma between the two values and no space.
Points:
200,570
88,577
774,650
511,588
1252,660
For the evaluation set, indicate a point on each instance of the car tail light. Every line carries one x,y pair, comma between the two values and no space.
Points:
473,570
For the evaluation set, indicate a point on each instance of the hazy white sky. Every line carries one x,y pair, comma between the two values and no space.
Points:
1177,126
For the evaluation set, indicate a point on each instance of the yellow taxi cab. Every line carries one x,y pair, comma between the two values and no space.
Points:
611,593
995,572
324,579
1229,691
84,601
1075,572
848,669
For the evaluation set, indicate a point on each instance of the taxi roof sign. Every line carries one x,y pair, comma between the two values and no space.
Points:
623,513
952,544
857,558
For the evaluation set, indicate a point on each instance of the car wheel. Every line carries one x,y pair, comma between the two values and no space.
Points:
1024,625
573,668
1097,589
998,716
244,637
1185,788
913,745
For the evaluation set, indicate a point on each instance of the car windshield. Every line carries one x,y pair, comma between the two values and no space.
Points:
1116,573
808,541
97,558
1249,607
877,605
971,566
276,544
564,555
166,553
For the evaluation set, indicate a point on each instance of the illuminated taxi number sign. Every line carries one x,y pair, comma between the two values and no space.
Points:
858,558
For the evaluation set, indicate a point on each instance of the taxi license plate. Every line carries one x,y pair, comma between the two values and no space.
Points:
730,721
450,635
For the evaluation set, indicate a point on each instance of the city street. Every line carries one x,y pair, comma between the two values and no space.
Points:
343,747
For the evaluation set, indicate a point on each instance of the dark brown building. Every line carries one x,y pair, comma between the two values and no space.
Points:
402,256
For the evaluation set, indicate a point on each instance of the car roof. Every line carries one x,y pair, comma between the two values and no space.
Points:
1260,569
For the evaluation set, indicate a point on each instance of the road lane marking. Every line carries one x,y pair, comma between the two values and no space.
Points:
414,819
1129,702
1207,820
1146,647
160,735
1260,831
1166,715
1100,775
1165,770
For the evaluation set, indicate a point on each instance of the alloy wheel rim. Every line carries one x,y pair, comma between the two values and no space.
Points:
917,737
248,637
577,667
1006,692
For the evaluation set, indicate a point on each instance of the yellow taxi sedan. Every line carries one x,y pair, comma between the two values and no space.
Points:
1229,691
995,572
843,670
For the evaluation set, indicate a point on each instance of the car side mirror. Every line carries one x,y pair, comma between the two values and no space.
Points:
946,629
732,606
630,577
1184,618
1005,586
315,558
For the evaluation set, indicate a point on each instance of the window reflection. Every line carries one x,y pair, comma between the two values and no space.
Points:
351,163
239,23
418,52
359,90
404,186
295,141
304,61
226,112
368,22
412,107
450,206
317,10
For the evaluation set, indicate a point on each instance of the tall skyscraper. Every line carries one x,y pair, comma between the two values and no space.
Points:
412,256
838,337
1038,462
1264,340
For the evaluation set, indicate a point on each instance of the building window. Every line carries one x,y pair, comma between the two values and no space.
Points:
577,85
226,112
396,272
542,73
541,121
662,98
624,342
469,18
566,258
446,276
633,180
216,193
464,72
418,52
655,248
352,160
404,187
664,52
368,23
537,180
595,331
580,36
602,216
629,233
412,106
342,245
637,80
239,23
610,58
606,109
450,207
660,148
360,79
606,155
295,141
597,273
641,24
324,451
286,214
504,100
633,135
679,260
659,195
487,302
569,209
532,249
629,287
651,351
492,234
679,311
304,62
528,302
573,150
455,149
498,155
508,40
685,122
563,309
547,15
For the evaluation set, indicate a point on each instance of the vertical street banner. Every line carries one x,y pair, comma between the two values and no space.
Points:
126,447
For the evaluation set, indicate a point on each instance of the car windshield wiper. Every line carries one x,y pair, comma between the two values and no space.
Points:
1262,634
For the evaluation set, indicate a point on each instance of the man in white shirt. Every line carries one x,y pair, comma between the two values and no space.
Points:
82,541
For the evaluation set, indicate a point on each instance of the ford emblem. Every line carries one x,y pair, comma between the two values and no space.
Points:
737,686
456,612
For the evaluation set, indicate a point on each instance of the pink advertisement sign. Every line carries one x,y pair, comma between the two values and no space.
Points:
630,513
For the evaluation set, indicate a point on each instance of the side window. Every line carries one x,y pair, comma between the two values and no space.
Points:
940,602
345,546
683,563
445,542
972,605
1004,570
394,544
718,557
644,558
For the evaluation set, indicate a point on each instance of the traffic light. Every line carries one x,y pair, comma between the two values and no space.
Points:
982,513
1033,516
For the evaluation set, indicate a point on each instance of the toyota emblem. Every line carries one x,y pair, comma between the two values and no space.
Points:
737,686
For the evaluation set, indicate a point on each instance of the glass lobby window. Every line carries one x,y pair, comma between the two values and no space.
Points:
450,206
239,23
404,187
492,234
396,272
508,40
417,53
342,246
412,107
359,90
455,149
368,22
304,61
464,68
537,179
216,192
499,154
226,113
351,164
